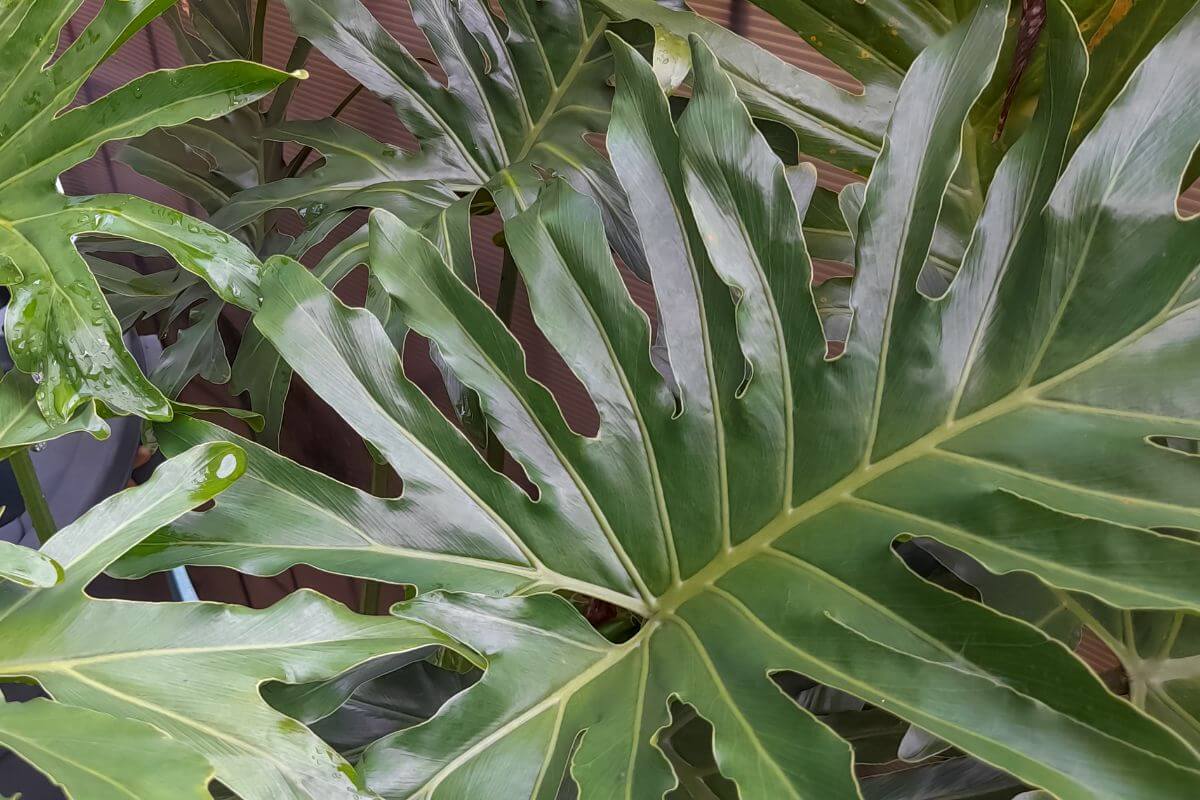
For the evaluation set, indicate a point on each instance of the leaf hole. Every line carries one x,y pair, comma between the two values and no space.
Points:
542,362
73,32
383,696
831,295
1179,533
614,623
687,742
1176,444
875,735
1187,205
597,141
421,369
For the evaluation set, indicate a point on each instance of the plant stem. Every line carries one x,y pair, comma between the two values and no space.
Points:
283,95
506,295
368,597
272,166
31,492
379,478
258,31
297,161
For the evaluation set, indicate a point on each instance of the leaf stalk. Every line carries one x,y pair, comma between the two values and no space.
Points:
31,492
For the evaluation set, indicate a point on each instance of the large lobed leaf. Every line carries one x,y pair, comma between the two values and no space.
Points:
58,326
747,510
94,756
528,86
22,424
523,89
190,670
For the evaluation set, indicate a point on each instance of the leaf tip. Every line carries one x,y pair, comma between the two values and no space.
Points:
225,464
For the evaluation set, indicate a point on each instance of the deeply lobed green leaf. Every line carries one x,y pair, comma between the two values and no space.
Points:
747,507
58,327
191,671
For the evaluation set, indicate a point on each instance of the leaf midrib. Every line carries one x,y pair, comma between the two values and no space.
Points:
544,575
843,490
414,95
554,444
916,712
104,134
561,89
562,695
902,253
285,768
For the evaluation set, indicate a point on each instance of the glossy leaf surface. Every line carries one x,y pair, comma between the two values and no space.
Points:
22,424
27,567
521,90
191,670
58,325
748,510
95,756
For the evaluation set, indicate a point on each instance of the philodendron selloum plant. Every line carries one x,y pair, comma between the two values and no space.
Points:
1009,383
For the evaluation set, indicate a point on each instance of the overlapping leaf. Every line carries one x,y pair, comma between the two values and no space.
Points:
58,326
1158,651
519,90
27,567
748,510
877,42
22,424
830,123
191,670
95,756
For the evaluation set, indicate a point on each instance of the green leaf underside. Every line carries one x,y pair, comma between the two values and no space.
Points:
58,324
1010,419
95,756
191,670
22,424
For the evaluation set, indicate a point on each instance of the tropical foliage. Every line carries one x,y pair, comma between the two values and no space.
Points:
844,538
58,326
